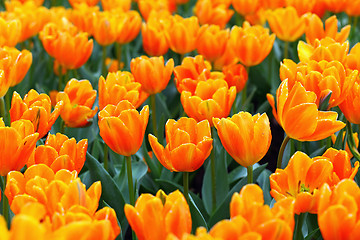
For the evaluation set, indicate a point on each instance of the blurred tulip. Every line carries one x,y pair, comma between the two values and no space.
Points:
188,145
146,7
36,2
90,3
60,152
212,98
155,217
301,6
113,65
246,7
352,8
17,144
123,120
153,75
10,32
78,97
251,44
36,108
128,27
246,138
297,112
273,4
317,30
211,42
211,13
320,8
83,17
236,75
286,23
120,86
123,5
154,37
182,34
257,18
336,6
105,28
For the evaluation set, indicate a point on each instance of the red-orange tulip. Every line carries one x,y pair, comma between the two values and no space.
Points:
152,73
155,217
246,138
188,145
235,75
78,97
36,108
301,6
123,120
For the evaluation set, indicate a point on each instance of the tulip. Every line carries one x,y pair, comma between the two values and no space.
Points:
236,75
105,28
246,7
352,59
129,26
350,107
154,38
123,5
347,149
60,152
90,3
148,7
208,12
83,17
336,6
251,44
36,108
10,32
301,6
155,217
78,98
189,144
352,9
228,58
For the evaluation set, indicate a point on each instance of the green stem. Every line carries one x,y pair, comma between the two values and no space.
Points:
66,78
286,49
130,180
281,151
106,157
62,127
243,92
250,178
60,78
298,227
351,141
76,74
213,173
349,20
118,52
2,108
103,66
5,204
186,186
233,107
153,114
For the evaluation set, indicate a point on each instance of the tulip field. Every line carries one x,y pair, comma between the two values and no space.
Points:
179,119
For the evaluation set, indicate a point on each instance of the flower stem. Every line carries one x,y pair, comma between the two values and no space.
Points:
243,92
298,227
286,49
5,204
106,157
62,127
250,174
351,141
103,66
153,114
281,151
186,186
118,53
130,180
213,173
60,78
2,108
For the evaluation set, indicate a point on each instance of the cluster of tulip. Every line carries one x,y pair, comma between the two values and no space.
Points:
103,180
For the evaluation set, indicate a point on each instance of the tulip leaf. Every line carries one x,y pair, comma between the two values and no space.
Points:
111,193
196,216
314,235
264,182
222,211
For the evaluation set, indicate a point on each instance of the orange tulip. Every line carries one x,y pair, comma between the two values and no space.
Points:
155,217
246,7
320,8
303,176
317,30
129,26
123,5
352,60
211,13
147,7
298,114
90,3
105,28
189,144
153,75
228,58
78,98
21,2
251,219
182,34
120,86
83,17
10,32
336,6
251,44
212,98
154,37
350,107
36,108
71,49
257,18
356,139
60,152
286,23
246,138
211,42
273,4
352,8
301,6
236,75
113,65
338,214
17,144
321,78
123,120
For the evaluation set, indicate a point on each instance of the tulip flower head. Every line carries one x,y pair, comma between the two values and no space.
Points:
208,12
129,26
189,144
154,37
10,32
122,127
351,104
236,75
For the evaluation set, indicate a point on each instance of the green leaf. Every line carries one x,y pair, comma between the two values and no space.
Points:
222,212
264,183
197,218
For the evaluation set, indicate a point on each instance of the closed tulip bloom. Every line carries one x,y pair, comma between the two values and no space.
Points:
212,41
301,6
78,97
251,44
188,145
236,75
128,26
36,108
336,6
10,32
352,60
350,107
228,58
154,37
182,34
17,144
83,16
352,8
125,121
60,152
109,5
246,138
212,98
286,23
105,28
317,30
155,217
246,7
90,3
120,86
298,114
146,7
153,75
211,13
